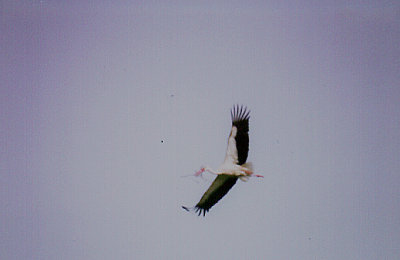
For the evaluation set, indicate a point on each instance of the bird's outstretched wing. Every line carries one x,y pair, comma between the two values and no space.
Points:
218,189
238,141
236,153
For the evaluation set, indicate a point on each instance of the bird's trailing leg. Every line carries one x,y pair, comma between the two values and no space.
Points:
249,172
245,177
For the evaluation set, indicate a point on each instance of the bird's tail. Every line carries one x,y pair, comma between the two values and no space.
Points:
244,178
248,165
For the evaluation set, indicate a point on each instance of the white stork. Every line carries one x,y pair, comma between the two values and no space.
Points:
234,165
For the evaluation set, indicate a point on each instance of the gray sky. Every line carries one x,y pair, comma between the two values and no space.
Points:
104,108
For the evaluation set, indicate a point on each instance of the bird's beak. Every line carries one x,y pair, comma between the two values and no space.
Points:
199,172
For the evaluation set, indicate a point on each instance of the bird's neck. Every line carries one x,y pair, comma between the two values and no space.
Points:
210,170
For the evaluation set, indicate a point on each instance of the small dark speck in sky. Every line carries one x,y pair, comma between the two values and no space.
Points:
162,141
172,95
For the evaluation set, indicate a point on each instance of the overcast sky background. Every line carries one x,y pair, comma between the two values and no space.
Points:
105,106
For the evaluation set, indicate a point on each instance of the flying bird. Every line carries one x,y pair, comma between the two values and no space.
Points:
234,166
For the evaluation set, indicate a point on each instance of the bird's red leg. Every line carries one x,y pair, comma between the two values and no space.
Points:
250,173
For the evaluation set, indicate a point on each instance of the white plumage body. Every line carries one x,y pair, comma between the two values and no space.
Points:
230,166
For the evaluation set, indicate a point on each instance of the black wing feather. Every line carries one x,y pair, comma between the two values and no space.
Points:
240,119
218,189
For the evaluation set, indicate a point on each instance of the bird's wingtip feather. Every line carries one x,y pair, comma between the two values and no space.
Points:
197,210
240,112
